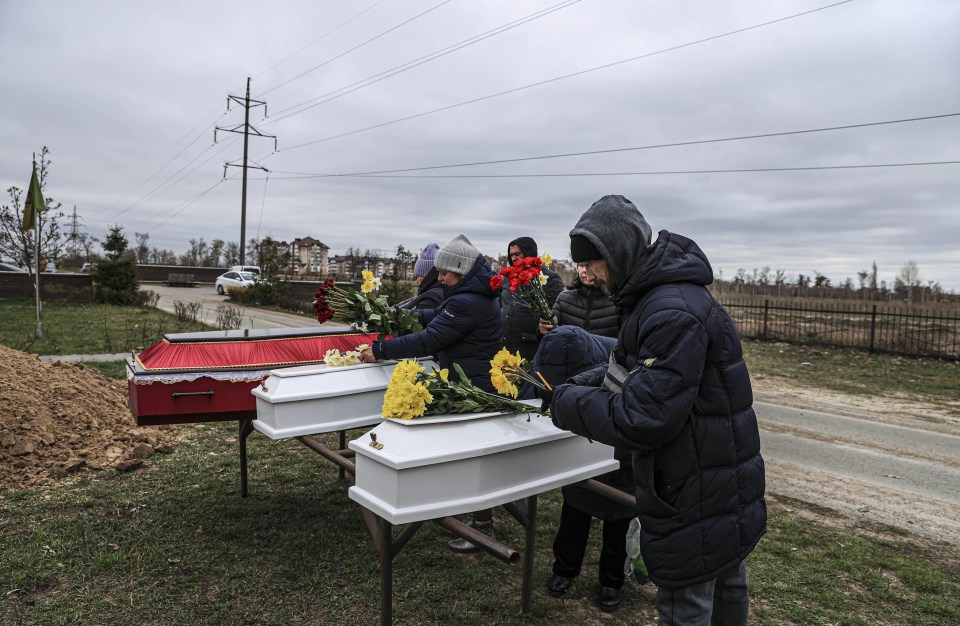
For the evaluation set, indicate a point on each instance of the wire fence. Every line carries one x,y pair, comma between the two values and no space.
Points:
912,332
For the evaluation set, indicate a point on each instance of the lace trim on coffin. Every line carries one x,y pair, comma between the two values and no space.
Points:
173,378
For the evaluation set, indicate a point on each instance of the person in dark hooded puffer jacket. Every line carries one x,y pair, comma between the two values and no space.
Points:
520,324
676,393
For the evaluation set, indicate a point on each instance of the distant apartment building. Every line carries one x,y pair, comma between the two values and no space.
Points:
309,257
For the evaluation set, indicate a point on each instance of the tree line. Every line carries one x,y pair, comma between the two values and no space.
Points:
907,285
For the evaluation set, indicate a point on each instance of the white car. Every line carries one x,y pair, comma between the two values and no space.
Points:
234,279
10,267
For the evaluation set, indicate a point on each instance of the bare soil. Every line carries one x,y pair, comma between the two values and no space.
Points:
58,419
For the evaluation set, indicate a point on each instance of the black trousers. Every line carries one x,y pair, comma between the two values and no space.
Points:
570,545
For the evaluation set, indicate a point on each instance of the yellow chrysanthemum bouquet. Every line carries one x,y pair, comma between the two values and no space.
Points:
506,370
413,392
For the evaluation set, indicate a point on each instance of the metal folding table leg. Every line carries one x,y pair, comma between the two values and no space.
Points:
246,427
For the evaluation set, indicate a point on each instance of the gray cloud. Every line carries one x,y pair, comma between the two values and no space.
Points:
117,90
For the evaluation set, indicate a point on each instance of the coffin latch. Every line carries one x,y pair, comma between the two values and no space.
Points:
374,443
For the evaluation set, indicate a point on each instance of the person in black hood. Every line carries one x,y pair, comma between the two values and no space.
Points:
520,324
676,394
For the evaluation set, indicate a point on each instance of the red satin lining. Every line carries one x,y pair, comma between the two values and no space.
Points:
253,354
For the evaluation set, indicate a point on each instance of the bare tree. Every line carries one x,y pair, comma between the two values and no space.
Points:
909,278
18,244
142,249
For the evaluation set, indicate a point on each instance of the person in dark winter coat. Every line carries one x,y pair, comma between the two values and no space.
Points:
585,305
429,290
465,329
565,352
676,393
520,332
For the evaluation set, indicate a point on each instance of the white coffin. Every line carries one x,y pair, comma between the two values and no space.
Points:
443,465
313,399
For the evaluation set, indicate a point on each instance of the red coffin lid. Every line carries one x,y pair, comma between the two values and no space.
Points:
247,349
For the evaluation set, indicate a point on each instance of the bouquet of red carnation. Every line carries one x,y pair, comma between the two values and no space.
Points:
363,310
526,279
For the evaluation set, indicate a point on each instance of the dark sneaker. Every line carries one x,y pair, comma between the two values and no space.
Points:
558,585
609,599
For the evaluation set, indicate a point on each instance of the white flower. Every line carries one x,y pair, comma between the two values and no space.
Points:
543,279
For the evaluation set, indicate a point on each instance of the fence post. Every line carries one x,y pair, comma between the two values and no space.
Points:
766,317
873,326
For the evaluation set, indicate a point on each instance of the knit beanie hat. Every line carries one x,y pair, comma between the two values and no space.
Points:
425,263
458,255
582,250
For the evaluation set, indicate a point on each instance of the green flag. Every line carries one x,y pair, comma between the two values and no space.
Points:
34,202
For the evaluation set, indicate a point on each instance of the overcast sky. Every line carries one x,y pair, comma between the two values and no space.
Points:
126,95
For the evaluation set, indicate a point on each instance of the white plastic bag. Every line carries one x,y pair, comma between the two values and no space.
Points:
633,545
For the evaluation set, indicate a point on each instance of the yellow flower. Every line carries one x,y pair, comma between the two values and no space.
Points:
407,369
362,347
405,399
505,360
367,275
547,259
443,374
367,286
502,384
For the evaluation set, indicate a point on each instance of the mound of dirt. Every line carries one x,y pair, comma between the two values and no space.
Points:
58,418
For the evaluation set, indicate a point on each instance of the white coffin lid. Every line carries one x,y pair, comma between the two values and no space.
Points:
312,382
443,438
313,399
452,464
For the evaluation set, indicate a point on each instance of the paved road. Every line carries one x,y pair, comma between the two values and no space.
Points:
209,300
919,461
909,477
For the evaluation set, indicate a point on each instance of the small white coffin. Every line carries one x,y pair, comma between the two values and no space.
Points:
313,399
442,465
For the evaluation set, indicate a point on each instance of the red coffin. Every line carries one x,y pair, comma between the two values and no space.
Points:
207,376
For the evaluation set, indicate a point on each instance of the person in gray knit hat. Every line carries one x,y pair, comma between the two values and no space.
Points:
466,329
676,395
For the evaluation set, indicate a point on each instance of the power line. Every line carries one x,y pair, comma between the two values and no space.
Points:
571,75
648,173
359,45
206,126
164,186
188,203
318,39
409,65
634,148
